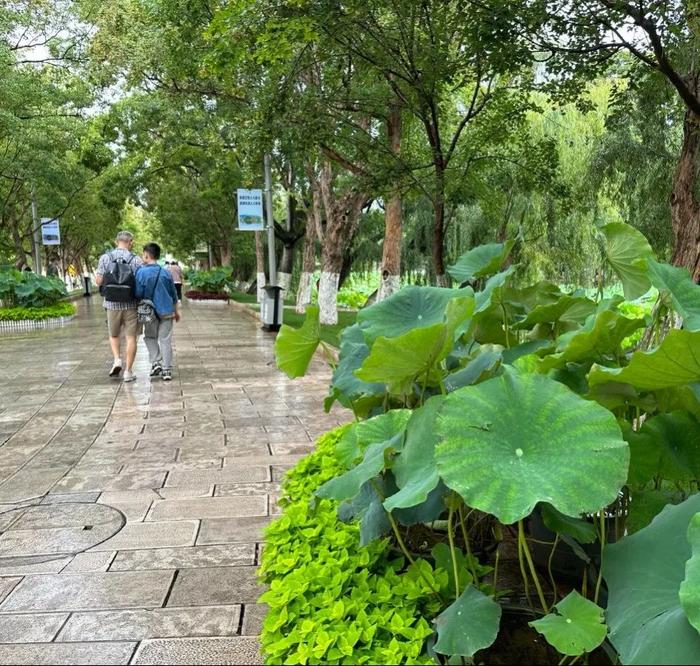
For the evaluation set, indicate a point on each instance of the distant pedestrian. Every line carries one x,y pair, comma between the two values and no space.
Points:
155,284
116,277
176,273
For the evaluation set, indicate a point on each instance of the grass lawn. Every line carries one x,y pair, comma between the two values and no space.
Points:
329,334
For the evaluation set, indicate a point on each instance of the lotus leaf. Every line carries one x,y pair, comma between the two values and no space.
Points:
644,572
576,627
676,284
468,625
295,347
690,587
410,308
480,261
513,441
627,251
675,362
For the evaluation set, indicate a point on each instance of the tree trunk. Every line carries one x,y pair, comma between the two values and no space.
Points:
260,265
685,208
391,253
308,266
342,220
441,278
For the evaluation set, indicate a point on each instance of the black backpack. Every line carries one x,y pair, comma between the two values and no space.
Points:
119,282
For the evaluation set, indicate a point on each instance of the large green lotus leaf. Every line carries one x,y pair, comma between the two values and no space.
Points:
686,398
483,365
400,361
690,587
470,624
411,307
674,363
575,627
627,251
513,441
480,261
414,468
345,387
361,434
575,308
295,347
666,446
675,284
644,572
600,337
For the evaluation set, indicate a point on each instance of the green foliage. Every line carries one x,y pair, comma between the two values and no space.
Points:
468,625
26,289
513,441
627,250
575,627
295,347
653,628
20,313
519,399
331,600
214,281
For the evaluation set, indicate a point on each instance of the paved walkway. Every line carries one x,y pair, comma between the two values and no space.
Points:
131,514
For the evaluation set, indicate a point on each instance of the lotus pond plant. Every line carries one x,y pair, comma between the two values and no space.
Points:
526,438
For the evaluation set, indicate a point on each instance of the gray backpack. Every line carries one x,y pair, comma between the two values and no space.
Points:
146,311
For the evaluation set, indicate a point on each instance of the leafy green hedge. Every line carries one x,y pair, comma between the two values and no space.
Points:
37,314
26,289
331,600
214,281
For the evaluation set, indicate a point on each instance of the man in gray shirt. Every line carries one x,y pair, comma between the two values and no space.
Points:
121,315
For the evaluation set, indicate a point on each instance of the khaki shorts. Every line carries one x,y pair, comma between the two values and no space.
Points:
123,320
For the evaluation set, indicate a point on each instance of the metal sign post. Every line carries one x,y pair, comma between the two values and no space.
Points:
270,223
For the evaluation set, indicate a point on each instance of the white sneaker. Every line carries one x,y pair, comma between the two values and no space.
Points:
129,376
116,368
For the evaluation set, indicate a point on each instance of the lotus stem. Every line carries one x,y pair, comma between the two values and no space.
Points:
465,535
453,551
602,548
531,565
549,570
523,573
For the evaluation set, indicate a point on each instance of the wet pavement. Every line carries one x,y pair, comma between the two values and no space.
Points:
131,514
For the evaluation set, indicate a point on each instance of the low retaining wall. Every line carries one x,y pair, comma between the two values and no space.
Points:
24,325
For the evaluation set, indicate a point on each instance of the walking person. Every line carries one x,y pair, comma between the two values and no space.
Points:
176,273
116,278
155,285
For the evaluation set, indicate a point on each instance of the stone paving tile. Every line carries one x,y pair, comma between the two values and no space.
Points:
24,566
89,591
253,616
202,587
225,555
208,507
67,653
93,561
7,585
136,536
31,628
152,623
232,474
232,530
199,651
235,489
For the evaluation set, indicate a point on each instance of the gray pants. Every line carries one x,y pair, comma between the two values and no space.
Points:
159,341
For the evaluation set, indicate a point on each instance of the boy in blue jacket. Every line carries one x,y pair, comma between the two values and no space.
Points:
156,284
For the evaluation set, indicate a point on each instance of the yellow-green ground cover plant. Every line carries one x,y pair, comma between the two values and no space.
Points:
509,437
